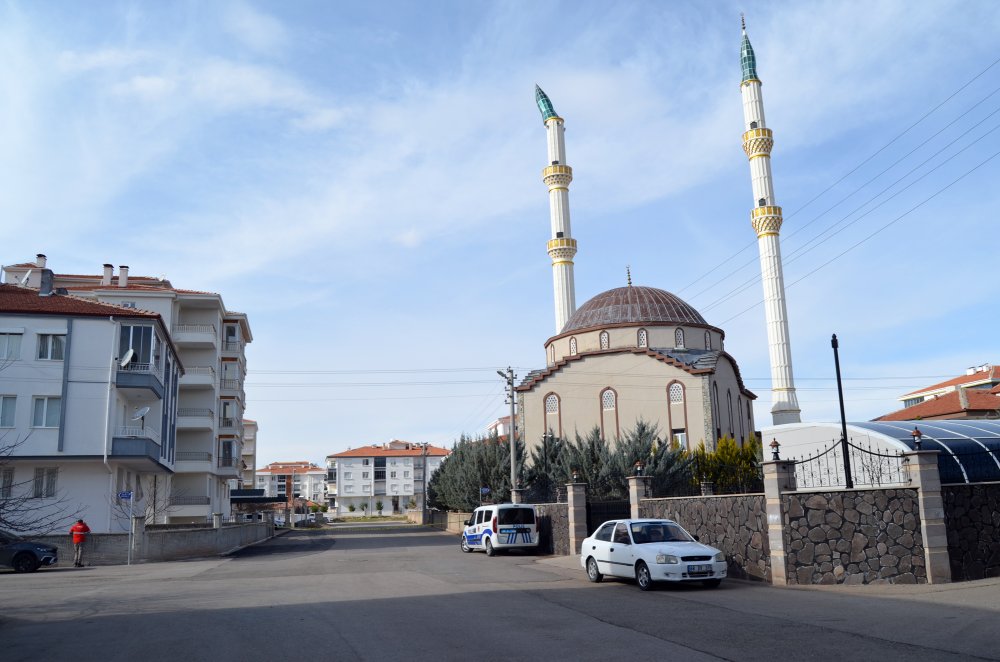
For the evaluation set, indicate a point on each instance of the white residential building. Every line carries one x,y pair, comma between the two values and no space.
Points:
291,480
88,403
394,473
249,453
331,483
210,342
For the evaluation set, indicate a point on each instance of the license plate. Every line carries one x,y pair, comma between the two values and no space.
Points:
699,568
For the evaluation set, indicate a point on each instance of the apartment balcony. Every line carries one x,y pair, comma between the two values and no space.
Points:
233,348
231,388
198,377
230,466
193,418
140,377
137,448
195,336
193,462
230,425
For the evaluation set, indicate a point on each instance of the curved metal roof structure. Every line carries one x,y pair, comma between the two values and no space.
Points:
969,448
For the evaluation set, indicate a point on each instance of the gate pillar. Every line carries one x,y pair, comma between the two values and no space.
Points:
779,476
922,468
638,488
576,496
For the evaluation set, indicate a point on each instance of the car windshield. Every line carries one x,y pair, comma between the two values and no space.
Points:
657,532
517,516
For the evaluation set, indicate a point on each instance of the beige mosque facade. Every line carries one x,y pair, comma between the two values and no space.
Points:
641,353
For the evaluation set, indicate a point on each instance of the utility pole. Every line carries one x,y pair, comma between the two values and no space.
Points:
509,377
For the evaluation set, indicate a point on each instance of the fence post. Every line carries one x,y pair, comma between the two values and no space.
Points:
576,497
922,470
517,496
707,488
638,488
138,537
779,476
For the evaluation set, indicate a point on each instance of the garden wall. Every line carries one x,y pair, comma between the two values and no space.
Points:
972,520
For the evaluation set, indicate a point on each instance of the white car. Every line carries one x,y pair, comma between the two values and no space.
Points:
650,550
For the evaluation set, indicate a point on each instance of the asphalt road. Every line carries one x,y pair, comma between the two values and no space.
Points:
408,593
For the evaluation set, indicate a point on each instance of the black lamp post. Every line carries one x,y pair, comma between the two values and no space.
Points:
638,468
917,438
843,418
774,450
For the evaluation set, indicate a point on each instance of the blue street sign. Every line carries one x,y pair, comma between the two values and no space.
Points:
484,490
125,496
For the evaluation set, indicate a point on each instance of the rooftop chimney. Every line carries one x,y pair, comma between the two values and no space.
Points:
123,276
963,398
108,273
40,261
45,289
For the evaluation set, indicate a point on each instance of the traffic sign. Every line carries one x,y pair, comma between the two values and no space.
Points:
125,496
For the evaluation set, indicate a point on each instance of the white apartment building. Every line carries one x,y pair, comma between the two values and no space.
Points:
331,483
288,479
394,473
210,341
249,454
88,404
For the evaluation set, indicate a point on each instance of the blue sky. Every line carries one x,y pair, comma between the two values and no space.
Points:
363,179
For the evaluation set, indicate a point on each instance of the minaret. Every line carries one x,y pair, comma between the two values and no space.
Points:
766,221
562,247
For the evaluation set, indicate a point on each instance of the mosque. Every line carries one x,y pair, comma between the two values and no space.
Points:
641,353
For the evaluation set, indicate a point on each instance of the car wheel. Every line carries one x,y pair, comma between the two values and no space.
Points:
489,548
465,545
711,583
593,574
25,563
642,577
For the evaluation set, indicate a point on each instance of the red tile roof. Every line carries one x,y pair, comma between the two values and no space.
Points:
290,468
415,450
993,374
15,299
948,405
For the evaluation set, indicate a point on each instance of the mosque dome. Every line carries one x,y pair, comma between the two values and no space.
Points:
633,305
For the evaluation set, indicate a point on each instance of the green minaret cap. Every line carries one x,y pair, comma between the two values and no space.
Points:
747,58
544,105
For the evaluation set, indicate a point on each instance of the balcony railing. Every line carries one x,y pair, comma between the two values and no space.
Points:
227,422
138,432
193,456
230,462
194,412
232,345
189,501
143,369
229,384
193,328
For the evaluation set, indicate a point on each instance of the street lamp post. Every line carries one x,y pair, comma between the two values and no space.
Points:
843,418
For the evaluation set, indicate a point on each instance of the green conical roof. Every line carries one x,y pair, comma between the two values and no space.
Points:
544,105
748,59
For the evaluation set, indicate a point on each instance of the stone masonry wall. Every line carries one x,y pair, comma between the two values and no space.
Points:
553,527
735,524
854,537
972,519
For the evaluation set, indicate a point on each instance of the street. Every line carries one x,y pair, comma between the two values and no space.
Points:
407,592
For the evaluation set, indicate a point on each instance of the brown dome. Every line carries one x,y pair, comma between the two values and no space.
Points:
633,305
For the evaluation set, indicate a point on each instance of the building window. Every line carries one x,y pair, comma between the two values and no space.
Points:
51,346
912,402
572,346
143,342
716,414
552,404
676,393
365,462
364,475
679,438
395,488
349,488
679,338
608,400
708,340
7,403
641,339
45,482
10,346
348,475
392,474
552,353
729,397
408,489
406,474
6,482
46,412
605,340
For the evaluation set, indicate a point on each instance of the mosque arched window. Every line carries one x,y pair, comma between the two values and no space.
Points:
572,346
552,404
609,401
729,397
739,414
552,353
679,338
716,414
642,339
605,340
552,420
708,340
676,393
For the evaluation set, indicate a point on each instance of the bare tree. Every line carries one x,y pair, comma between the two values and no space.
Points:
35,504
154,503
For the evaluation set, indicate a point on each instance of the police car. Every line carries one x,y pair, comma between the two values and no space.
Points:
500,527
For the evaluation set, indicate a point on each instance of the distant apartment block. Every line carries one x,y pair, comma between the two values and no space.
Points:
395,473
291,480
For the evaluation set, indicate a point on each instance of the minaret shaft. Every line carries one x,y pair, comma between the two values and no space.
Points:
561,247
766,220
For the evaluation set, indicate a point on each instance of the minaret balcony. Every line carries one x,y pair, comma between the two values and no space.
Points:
766,219
758,142
561,249
557,175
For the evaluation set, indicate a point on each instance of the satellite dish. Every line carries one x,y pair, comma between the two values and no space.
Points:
139,413
127,358
24,280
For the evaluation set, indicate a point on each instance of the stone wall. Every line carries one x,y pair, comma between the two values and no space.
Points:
972,519
553,528
735,524
853,537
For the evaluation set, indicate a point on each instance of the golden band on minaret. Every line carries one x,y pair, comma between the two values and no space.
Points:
562,249
557,176
766,219
758,142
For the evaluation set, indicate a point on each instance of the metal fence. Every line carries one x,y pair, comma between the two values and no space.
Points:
869,467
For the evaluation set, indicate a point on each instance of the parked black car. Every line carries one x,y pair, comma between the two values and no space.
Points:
25,555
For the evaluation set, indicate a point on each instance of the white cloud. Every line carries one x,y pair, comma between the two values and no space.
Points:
103,59
147,88
254,29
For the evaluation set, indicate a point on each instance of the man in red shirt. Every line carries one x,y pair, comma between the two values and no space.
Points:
79,531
